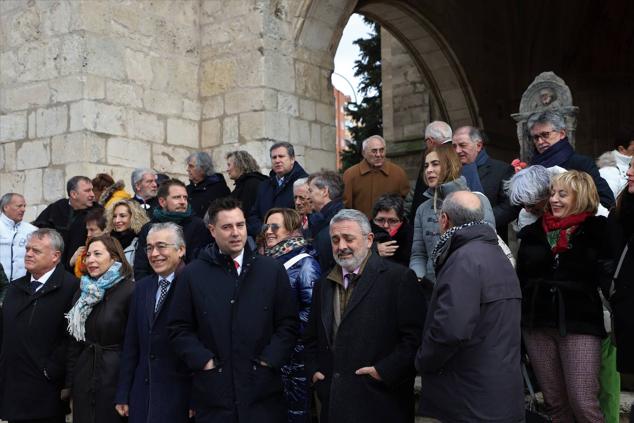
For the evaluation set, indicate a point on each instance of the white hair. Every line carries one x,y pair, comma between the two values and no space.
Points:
368,139
439,131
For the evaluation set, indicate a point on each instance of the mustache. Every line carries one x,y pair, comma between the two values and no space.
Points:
345,251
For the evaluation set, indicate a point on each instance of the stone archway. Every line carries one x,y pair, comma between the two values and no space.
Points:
429,50
432,55
318,30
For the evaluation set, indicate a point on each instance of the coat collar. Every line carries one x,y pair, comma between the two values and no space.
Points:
370,271
53,283
365,168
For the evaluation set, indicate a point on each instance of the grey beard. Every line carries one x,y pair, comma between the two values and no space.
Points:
352,263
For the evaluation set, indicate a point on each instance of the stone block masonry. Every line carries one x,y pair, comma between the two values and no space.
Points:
103,86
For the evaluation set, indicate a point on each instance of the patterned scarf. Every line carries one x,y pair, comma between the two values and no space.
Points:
285,247
92,292
559,230
441,249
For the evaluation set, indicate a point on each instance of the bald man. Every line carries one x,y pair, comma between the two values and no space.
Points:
473,325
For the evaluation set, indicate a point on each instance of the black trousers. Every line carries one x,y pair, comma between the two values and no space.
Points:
56,419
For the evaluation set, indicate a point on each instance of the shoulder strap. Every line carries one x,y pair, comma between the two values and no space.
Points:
618,269
290,262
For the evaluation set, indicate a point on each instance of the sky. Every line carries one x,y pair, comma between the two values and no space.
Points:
346,54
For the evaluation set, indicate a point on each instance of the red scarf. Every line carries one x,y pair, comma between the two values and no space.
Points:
559,230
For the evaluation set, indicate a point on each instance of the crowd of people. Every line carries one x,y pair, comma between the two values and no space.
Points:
301,297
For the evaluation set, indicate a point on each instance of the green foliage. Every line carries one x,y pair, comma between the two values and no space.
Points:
367,115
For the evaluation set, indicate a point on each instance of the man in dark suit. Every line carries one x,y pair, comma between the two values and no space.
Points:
234,322
364,328
277,190
34,336
485,175
145,184
154,384
67,216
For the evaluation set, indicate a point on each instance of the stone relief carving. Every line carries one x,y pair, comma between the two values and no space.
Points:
546,92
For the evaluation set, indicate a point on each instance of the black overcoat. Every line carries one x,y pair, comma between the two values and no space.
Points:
153,381
71,225
94,364
271,194
562,291
246,189
469,358
203,193
493,173
381,327
239,321
34,346
621,223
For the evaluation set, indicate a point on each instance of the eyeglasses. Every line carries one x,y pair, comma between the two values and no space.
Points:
390,221
274,227
543,135
161,247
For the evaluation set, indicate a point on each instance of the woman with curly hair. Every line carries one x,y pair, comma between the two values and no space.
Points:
124,220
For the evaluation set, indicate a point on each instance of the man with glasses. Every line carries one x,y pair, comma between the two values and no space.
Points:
154,384
173,207
303,203
372,177
234,322
325,189
547,130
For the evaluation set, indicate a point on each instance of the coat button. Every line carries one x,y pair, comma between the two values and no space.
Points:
152,357
232,301
147,380
336,375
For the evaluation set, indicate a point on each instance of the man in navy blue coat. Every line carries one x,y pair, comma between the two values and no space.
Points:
234,322
154,384
277,190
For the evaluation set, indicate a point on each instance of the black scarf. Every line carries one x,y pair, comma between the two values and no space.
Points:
125,238
555,155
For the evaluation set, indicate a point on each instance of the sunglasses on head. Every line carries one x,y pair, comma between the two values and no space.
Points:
274,227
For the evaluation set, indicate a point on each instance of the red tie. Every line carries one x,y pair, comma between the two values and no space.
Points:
236,264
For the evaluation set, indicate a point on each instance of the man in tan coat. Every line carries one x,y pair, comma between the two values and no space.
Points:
373,177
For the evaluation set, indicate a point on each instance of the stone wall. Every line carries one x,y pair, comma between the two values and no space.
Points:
105,86
407,104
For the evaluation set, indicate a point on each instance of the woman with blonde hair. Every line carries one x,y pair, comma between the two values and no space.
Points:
563,260
124,220
441,172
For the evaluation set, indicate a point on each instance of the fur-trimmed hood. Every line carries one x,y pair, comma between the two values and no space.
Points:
113,193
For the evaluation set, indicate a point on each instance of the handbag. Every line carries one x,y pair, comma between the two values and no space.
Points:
532,414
